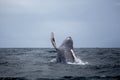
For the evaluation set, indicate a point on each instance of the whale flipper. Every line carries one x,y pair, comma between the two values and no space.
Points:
73,54
53,40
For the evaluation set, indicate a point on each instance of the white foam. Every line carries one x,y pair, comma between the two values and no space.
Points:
53,60
78,62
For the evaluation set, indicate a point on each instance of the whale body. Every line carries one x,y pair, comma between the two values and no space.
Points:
65,52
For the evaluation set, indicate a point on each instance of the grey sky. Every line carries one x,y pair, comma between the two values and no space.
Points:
28,23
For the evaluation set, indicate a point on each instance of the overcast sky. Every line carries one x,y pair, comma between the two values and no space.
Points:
28,23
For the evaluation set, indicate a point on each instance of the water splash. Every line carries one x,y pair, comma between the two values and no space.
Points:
78,61
53,60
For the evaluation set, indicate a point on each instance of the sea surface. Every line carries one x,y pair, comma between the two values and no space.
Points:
37,64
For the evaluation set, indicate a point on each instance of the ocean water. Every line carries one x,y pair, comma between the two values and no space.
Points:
37,64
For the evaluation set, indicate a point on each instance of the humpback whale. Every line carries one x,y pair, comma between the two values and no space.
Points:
65,52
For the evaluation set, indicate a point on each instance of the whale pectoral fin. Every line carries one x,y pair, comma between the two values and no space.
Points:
53,40
73,55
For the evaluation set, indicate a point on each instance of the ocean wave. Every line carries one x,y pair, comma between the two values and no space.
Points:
66,78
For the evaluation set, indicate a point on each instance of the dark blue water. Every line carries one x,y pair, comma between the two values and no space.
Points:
35,64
